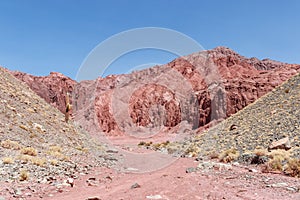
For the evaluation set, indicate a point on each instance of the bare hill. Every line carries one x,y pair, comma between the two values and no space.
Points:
36,144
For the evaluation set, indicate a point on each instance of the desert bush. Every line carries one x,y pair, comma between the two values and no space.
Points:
24,175
7,160
29,151
56,152
8,144
279,154
260,156
274,164
25,158
293,167
229,155
38,161
55,149
54,162
260,152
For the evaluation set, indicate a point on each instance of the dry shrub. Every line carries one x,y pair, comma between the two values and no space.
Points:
55,149
279,154
260,152
229,155
293,167
7,160
214,155
54,162
274,164
25,158
24,175
29,151
38,161
8,144
56,152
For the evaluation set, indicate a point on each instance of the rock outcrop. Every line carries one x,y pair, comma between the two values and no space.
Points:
198,89
53,88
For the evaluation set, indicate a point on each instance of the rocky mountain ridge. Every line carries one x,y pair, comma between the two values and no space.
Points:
198,88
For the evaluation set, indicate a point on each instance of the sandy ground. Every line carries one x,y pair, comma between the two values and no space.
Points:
173,182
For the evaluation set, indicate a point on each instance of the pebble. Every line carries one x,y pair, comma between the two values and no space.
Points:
112,151
292,189
70,181
93,198
135,185
18,191
154,197
190,170
253,170
278,185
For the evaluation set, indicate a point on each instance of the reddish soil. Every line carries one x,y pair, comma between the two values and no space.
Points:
173,182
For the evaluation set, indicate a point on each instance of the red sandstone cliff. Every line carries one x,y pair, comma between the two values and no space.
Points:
197,89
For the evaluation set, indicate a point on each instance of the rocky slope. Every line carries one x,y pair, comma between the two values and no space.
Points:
198,89
36,145
255,132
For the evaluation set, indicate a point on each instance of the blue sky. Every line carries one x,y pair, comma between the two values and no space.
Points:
39,36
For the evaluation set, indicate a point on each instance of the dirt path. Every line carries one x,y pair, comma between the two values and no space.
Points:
173,182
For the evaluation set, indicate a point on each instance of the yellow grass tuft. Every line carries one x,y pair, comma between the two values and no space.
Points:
293,167
229,155
8,144
7,160
29,151
54,162
24,175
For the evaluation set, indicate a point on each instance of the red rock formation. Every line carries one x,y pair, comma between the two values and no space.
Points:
52,88
239,81
199,88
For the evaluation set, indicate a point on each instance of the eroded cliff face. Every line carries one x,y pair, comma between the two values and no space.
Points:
53,88
198,88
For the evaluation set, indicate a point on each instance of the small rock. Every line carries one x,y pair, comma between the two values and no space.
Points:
283,143
253,170
222,166
154,197
2,198
28,194
278,185
206,165
292,189
112,151
93,198
70,181
18,191
190,170
135,185
233,127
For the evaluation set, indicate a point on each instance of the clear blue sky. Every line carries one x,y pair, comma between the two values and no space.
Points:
39,36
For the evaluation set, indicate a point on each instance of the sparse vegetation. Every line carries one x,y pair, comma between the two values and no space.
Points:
7,160
38,161
29,151
8,144
293,167
56,152
25,158
24,175
274,164
54,162
229,155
